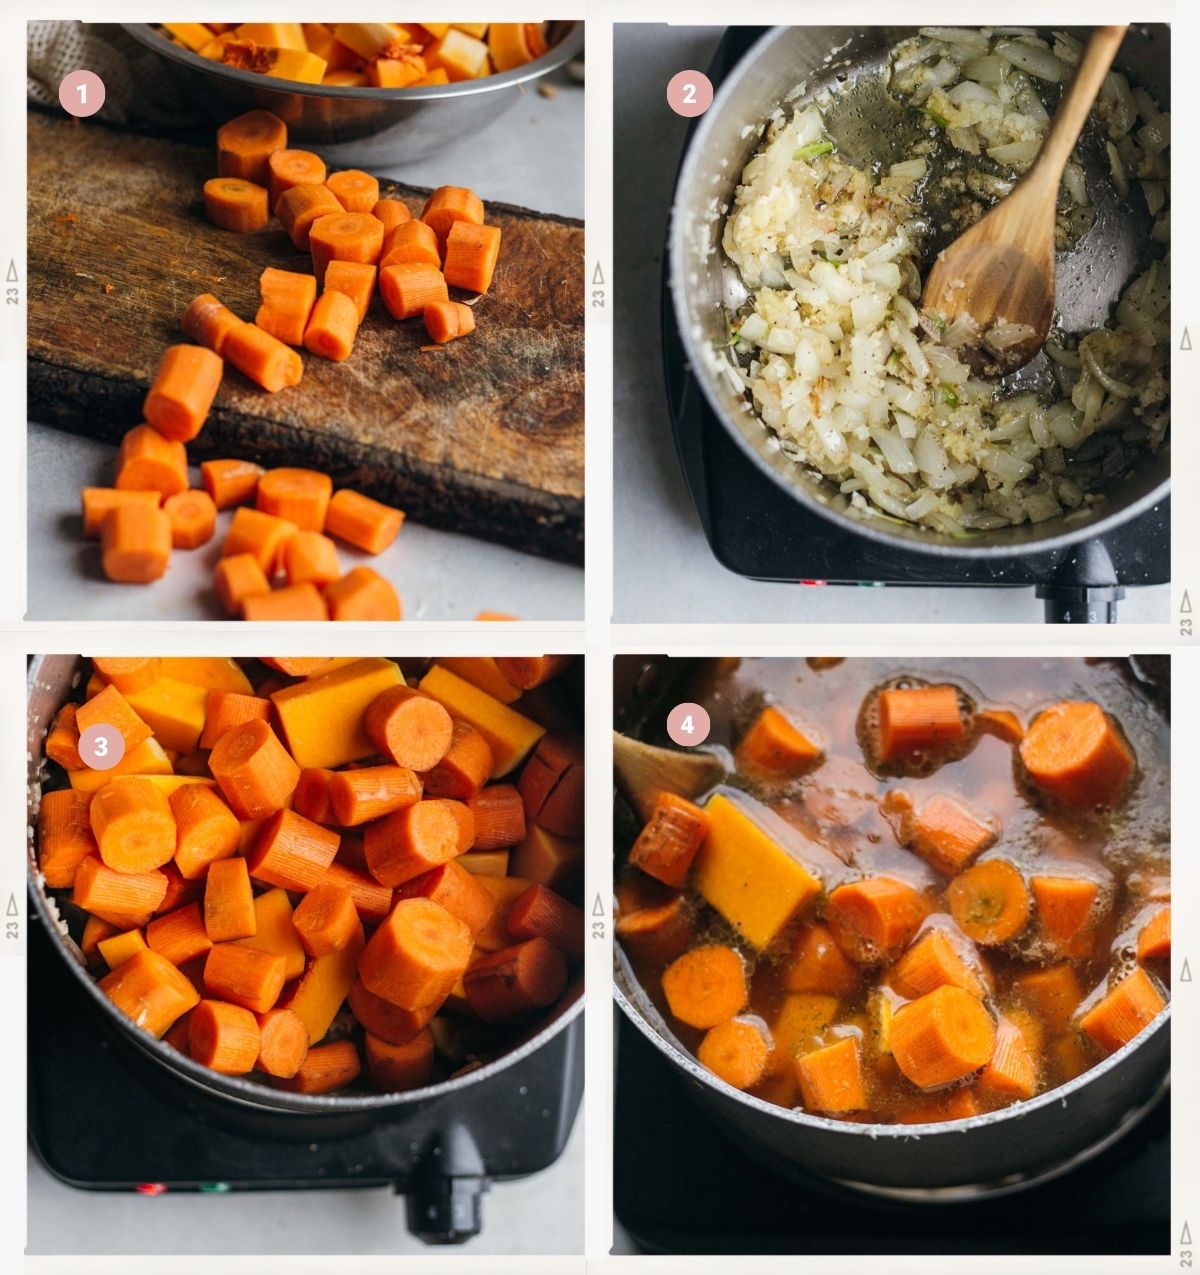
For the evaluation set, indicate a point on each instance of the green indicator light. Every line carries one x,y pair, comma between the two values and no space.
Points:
214,1188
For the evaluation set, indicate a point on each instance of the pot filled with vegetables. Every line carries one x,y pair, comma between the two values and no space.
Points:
327,896
833,167
902,923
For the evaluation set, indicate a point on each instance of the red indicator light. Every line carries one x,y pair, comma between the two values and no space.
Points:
151,1188
817,584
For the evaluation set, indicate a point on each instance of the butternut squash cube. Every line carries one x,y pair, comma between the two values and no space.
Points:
510,735
322,716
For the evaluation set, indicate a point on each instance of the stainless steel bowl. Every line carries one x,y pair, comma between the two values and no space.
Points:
365,126
703,282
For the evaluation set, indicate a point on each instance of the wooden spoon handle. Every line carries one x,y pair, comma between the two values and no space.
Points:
1072,113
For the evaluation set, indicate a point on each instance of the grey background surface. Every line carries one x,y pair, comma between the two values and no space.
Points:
532,157
681,581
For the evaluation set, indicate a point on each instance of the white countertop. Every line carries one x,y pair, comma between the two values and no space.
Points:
681,581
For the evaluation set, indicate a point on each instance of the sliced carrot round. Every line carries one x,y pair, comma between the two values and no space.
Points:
990,902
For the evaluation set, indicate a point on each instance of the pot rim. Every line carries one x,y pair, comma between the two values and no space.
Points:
238,1088
554,57
871,529
681,1057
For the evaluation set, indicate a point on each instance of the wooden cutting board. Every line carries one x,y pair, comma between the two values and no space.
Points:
483,436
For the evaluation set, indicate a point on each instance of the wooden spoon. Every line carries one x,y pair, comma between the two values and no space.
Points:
1002,268
643,771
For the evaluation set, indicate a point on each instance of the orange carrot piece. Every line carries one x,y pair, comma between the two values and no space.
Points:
775,746
817,964
499,817
206,829
540,913
416,956
444,323
1154,939
527,673
149,991
916,719
874,919
448,205
1053,993
1000,723
1131,1006
326,919
97,502
1012,1072
371,900
237,578
387,1021
234,204
411,841
287,300
358,796
244,975
310,558
180,890
736,1051
356,191
410,243
301,206
260,534
551,785
224,1037
283,1043
1074,752
706,986
254,771
246,144
133,825
230,482
412,729
363,594
451,886
399,1068
362,522
990,902
311,798
471,255
344,236
408,287
942,1037
325,1068
62,740
353,279
95,931
831,1079
229,902
1064,907
515,980
193,518
465,768
147,461
934,961
124,899
299,496
332,326
292,852
666,846
207,322
65,836
288,168
110,708
128,675
180,935
953,1104
227,709
948,835
262,358
392,212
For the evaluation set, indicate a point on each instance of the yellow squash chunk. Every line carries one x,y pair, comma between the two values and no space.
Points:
120,947
550,860
802,1019
148,759
213,672
485,863
461,56
288,64
435,29
477,29
173,710
326,984
510,736
322,716
369,39
481,671
167,784
274,35
755,884
192,35
274,932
